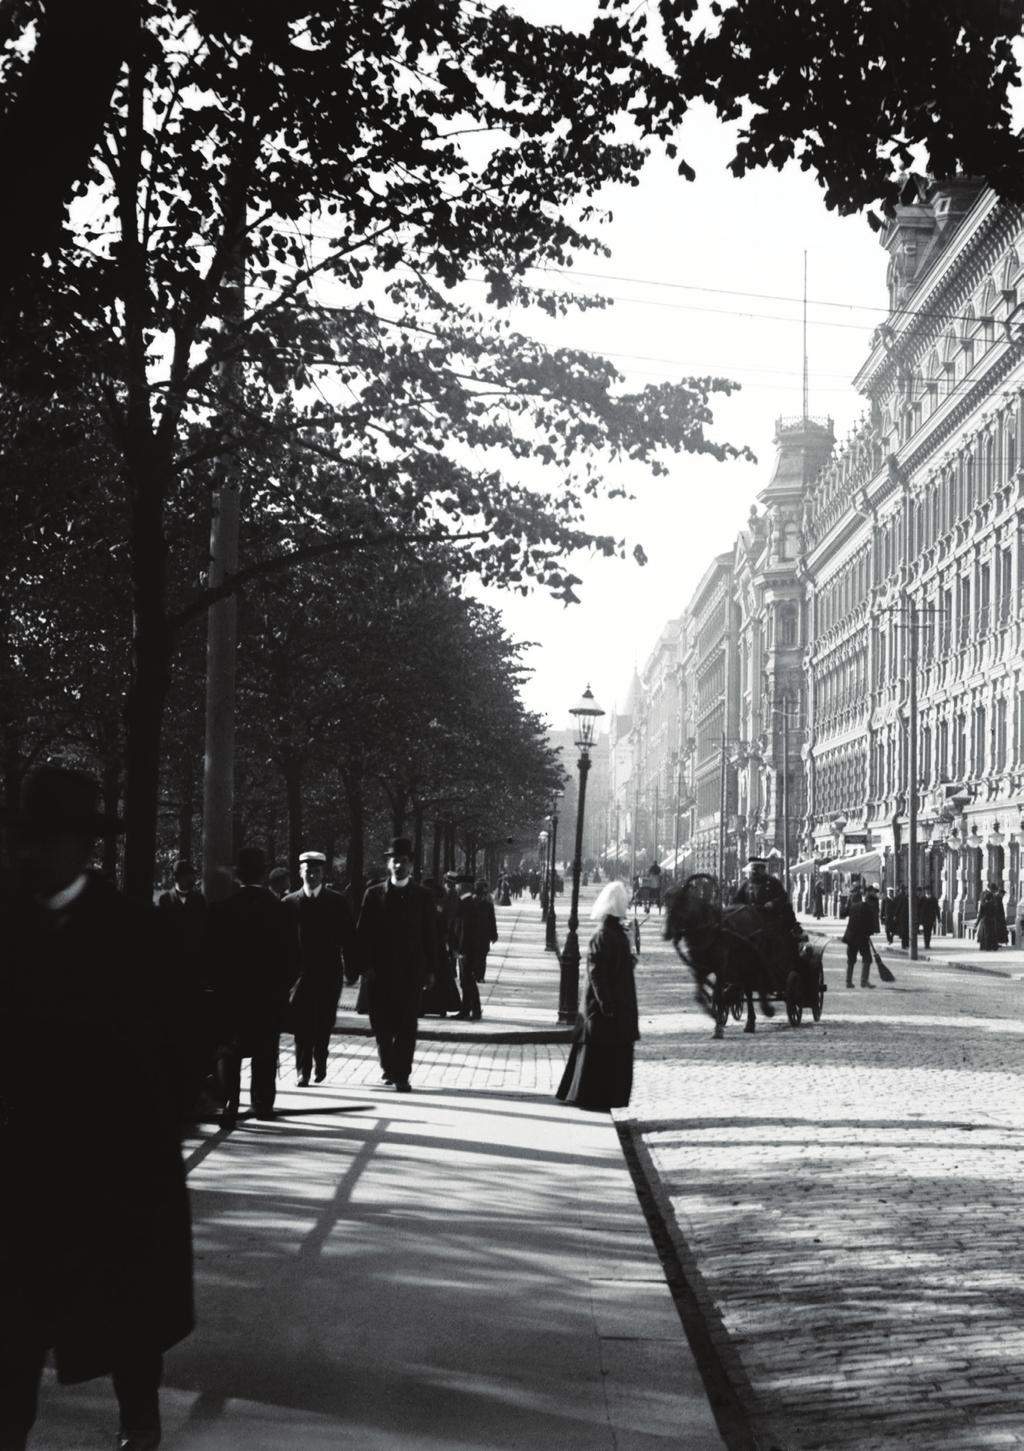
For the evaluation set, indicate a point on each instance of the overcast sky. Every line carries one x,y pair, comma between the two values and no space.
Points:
708,279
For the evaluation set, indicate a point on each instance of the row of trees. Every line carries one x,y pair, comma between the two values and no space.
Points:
240,246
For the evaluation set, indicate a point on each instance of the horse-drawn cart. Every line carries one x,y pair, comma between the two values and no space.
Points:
738,952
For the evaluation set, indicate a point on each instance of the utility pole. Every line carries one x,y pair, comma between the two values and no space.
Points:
912,774
722,798
785,778
654,854
675,833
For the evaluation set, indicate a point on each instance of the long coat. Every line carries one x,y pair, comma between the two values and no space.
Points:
861,923
599,1073
95,1242
250,954
326,954
397,942
992,931
474,929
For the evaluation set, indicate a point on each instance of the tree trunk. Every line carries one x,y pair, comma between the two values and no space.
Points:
356,829
417,842
111,792
436,858
293,773
186,807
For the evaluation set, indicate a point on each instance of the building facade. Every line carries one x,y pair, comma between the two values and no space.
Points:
867,626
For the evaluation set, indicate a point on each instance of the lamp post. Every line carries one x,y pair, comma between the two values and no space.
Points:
585,713
550,925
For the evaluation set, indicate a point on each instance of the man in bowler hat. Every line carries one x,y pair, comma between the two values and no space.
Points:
398,959
95,1242
325,937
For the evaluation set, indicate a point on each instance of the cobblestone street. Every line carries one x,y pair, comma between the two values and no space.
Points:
848,1195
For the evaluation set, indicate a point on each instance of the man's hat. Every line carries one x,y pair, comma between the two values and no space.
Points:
400,846
757,861
313,856
451,876
56,798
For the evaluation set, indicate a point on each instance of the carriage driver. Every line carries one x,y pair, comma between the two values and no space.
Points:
771,899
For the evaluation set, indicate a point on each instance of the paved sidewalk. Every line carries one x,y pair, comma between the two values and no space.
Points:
465,1266
958,952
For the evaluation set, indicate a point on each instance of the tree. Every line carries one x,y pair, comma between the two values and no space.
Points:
859,91
397,150
314,140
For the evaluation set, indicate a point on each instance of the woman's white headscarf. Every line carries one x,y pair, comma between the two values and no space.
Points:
612,901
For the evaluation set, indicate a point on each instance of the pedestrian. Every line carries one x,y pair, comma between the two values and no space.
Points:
279,882
325,939
397,945
861,923
599,1072
474,928
443,997
818,897
888,915
927,914
182,921
95,1242
250,953
991,928
901,916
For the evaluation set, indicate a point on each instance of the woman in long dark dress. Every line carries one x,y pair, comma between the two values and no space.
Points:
992,931
599,1073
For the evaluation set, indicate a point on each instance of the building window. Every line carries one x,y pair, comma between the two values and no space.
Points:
999,763
788,625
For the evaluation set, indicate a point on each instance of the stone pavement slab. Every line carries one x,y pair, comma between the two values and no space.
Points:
844,1196
464,1266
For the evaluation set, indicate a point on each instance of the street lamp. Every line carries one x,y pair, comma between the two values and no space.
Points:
548,907
585,714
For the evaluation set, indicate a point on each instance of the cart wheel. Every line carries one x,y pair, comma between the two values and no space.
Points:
794,994
819,996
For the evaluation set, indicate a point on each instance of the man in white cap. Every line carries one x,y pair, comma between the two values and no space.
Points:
326,940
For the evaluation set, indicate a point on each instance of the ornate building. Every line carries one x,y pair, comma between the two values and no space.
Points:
913,543
868,622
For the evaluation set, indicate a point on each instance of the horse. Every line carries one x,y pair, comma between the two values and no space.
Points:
722,951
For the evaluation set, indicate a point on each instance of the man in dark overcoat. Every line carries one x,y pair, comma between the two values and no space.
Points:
861,923
397,941
473,930
325,939
250,954
95,1242
901,916
182,917
927,914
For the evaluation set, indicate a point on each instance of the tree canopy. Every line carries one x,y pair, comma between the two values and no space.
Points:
252,227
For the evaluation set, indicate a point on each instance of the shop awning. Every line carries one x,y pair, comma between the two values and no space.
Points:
674,858
804,868
869,862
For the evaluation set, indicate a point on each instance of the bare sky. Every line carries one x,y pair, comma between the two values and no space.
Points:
708,279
